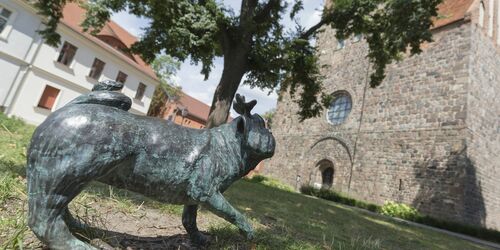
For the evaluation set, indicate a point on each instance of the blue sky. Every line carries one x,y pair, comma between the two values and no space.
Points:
189,76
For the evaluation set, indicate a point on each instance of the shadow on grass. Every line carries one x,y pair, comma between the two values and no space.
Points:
220,238
323,223
130,200
106,239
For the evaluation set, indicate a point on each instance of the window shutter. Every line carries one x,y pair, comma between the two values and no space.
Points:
48,97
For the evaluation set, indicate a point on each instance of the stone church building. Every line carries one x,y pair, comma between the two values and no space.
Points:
429,136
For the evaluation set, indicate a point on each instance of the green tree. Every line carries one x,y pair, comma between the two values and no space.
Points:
268,116
164,67
255,43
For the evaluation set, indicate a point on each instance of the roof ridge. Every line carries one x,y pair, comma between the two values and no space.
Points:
117,26
73,14
184,93
111,30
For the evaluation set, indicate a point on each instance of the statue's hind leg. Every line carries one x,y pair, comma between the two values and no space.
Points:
189,215
48,198
48,224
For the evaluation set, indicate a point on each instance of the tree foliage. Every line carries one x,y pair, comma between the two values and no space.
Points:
269,116
164,67
255,43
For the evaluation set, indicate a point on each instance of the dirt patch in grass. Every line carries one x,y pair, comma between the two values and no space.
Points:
113,228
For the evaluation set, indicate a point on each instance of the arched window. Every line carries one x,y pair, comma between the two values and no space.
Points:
339,108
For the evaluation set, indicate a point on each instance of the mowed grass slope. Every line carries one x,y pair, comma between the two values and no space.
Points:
283,219
308,220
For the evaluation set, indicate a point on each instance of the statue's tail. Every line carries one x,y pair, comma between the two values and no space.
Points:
108,85
102,93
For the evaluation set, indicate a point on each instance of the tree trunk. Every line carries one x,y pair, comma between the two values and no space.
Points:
234,70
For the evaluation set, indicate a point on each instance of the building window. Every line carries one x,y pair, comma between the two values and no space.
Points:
339,108
139,94
67,54
48,97
340,44
97,68
121,77
491,15
5,14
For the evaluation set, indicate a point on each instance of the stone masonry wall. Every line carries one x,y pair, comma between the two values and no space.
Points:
404,141
483,121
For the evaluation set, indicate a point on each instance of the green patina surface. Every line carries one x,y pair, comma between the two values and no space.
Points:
94,138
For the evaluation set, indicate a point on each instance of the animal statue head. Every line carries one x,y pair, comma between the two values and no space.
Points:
258,141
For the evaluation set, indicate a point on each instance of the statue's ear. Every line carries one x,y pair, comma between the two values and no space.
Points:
243,108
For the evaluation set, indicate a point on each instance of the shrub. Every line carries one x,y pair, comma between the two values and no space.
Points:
258,178
271,183
399,210
405,212
331,195
478,232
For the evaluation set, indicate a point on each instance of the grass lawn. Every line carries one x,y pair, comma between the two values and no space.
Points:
283,219
292,219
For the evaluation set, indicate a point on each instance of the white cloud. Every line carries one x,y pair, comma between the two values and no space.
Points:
205,97
175,80
314,18
130,22
265,102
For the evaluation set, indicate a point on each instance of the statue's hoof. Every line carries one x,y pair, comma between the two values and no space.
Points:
200,239
249,235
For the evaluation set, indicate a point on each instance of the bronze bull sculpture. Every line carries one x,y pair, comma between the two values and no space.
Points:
94,138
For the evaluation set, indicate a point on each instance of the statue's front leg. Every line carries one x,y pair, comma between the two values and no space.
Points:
189,215
220,206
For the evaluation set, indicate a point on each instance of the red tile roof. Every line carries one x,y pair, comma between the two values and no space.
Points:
73,16
451,11
196,107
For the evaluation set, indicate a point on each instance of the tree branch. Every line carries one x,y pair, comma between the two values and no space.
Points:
264,13
311,31
247,9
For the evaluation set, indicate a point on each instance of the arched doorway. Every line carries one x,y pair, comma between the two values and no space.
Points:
325,173
327,152
327,177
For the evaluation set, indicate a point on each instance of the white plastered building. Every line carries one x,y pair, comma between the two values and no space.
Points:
37,79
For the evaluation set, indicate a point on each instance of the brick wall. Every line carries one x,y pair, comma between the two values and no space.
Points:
407,140
483,121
